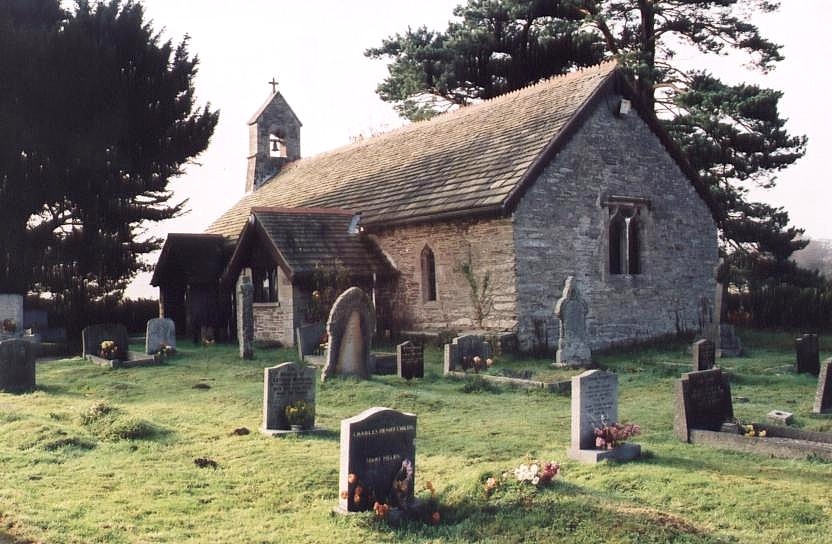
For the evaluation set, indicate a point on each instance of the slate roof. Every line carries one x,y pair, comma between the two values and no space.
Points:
191,258
302,239
474,160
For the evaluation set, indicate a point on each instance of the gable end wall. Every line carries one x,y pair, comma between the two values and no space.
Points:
560,229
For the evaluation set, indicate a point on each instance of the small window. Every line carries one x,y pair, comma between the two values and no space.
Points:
428,275
265,285
625,233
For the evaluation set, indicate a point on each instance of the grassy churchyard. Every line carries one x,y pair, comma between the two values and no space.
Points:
96,455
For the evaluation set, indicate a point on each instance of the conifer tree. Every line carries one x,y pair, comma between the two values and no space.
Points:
732,134
97,115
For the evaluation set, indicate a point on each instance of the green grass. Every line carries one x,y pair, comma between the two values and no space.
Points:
98,455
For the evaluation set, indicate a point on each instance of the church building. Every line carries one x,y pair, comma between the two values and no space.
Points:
470,221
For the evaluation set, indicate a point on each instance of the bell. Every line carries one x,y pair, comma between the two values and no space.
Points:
275,146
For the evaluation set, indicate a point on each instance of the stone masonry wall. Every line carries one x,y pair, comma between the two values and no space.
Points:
561,230
488,244
274,321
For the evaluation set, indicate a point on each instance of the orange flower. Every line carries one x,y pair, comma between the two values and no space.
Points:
344,494
351,478
356,499
434,518
358,490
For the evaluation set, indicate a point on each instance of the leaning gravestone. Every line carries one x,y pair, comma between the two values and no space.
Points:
377,449
807,357
571,310
704,353
351,325
17,365
823,396
703,401
283,385
594,404
410,360
93,335
245,317
161,331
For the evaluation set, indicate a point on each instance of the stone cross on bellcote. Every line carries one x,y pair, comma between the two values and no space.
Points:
273,83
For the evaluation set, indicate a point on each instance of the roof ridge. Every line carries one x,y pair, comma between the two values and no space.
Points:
312,210
449,116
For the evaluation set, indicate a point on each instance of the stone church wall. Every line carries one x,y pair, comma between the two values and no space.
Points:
561,229
486,244
275,321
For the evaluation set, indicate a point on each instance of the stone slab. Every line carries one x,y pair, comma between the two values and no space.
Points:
623,452
93,335
17,365
161,331
769,446
779,416
410,360
704,354
351,326
703,401
823,395
594,402
282,385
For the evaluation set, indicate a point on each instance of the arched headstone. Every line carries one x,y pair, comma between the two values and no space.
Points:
351,325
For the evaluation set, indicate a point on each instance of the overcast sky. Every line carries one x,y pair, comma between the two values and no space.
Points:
315,51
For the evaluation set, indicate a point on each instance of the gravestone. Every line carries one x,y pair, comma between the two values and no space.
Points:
410,360
161,331
282,385
309,338
351,325
704,353
703,401
807,357
93,335
17,365
460,353
571,310
377,448
594,404
245,317
382,363
729,343
823,396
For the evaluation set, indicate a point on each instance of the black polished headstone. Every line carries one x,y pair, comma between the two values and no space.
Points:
375,446
703,401
17,365
410,360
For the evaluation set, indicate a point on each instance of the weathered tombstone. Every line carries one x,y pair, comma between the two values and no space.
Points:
93,335
729,343
410,360
309,338
807,357
282,385
571,310
382,363
245,317
351,324
823,396
17,365
377,448
460,353
703,401
780,416
704,353
594,404
161,331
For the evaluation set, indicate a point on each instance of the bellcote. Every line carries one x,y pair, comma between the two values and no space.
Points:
274,139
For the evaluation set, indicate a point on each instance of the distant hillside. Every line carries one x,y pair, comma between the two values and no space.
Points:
816,256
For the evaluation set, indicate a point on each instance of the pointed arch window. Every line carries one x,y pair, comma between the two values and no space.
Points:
428,262
625,229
